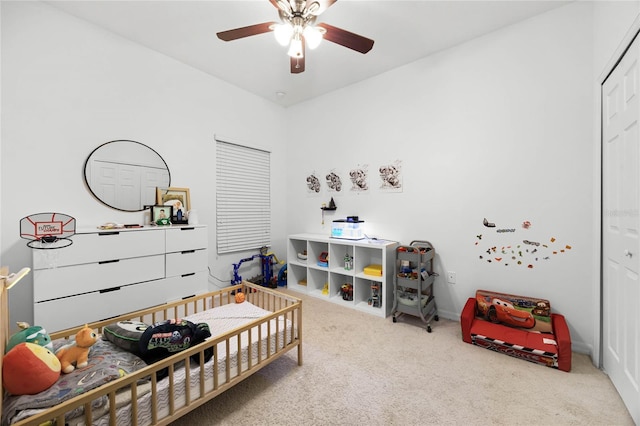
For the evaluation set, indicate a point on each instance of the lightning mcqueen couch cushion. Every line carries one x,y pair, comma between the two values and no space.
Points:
519,326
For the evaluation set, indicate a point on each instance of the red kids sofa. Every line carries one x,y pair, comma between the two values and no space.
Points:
519,326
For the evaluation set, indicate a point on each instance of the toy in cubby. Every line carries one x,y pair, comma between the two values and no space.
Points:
347,291
374,300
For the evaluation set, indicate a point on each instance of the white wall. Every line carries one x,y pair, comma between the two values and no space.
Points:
499,127
613,21
68,86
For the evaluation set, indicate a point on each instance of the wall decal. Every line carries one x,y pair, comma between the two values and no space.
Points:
313,183
334,181
391,177
521,252
488,224
359,178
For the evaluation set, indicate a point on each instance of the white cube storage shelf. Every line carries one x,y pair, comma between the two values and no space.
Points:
363,253
112,272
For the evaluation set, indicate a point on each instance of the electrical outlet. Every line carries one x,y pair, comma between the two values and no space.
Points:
451,277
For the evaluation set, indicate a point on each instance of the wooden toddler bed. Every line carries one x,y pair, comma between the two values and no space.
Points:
245,337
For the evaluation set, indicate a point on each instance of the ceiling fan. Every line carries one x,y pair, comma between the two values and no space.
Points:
298,29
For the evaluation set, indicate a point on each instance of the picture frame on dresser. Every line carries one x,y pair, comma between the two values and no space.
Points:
179,199
159,212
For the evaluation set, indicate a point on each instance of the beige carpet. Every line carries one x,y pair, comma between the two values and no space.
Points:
360,369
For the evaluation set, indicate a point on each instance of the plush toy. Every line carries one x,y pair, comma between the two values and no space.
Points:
78,352
35,334
28,369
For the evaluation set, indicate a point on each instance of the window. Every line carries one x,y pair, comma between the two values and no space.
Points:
243,199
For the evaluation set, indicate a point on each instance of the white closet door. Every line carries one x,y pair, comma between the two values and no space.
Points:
621,229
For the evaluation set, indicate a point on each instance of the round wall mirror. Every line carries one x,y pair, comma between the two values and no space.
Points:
124,174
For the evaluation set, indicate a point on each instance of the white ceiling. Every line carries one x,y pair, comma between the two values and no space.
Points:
404,31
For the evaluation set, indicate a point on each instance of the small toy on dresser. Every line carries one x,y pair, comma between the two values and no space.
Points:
77,352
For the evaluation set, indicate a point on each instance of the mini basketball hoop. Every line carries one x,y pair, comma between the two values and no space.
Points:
48,230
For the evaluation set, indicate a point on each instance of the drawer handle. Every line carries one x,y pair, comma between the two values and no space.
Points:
187,275
109,233
108,290
102,262
187,251
187,229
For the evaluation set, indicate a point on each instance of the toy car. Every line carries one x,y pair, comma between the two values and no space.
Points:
541,309
500,311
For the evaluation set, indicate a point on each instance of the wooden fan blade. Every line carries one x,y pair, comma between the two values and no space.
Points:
297,64
242,32
275,4
346,38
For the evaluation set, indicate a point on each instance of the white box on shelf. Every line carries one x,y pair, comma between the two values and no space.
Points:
347,229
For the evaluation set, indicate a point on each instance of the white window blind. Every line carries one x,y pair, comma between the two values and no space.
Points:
243,199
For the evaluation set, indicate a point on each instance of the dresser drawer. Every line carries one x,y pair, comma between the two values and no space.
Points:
185,262
186,285
102,246
73,311
70,280
186,238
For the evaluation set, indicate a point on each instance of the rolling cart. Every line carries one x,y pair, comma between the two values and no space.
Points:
413,282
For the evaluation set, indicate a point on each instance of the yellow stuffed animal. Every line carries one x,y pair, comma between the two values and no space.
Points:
78,352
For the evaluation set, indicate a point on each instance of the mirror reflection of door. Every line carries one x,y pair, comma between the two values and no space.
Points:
124,174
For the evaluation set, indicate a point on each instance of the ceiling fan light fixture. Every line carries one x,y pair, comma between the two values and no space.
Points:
284,5
283,33
298,30
312,36
313,8
295,48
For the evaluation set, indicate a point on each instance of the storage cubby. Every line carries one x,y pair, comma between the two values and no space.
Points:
369,296
337,281
339,252
296,248
366,256
362,253
316,281
314,250
297,276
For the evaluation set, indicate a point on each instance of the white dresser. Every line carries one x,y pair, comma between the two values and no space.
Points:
107,273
